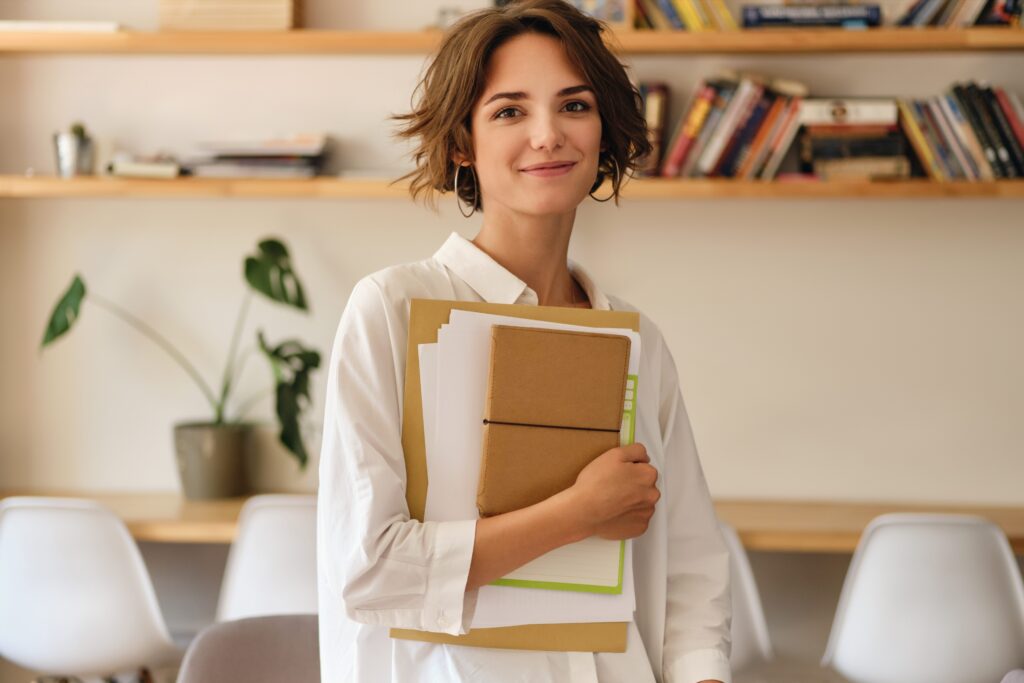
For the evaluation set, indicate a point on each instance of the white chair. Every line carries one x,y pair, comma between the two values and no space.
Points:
255,650
75,596
929,599
271,566
750,642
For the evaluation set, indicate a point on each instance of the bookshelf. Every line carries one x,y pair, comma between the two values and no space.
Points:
35,187
902,40
760,41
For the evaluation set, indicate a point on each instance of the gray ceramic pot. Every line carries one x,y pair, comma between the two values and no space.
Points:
211,459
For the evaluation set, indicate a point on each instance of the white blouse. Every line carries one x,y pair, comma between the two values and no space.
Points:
378,568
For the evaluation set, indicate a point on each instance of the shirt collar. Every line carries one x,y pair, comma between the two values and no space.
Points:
497,285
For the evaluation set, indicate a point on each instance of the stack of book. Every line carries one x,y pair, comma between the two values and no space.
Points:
297,156
227,15
852,140
973,132
962,13
684,15
735,127
844,15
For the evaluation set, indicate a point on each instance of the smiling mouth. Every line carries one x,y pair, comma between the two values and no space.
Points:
548,171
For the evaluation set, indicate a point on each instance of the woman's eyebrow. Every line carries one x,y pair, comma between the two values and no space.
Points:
522,95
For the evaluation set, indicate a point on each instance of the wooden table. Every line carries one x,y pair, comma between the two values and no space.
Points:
772,526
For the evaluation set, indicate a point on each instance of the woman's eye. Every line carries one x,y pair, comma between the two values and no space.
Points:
583,106
499,114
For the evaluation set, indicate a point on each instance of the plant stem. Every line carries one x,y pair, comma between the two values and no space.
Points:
251,401
156,337
229,368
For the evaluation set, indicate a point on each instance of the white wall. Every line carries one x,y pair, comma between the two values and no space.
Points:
832,349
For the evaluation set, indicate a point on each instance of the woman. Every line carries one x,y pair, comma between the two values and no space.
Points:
523,113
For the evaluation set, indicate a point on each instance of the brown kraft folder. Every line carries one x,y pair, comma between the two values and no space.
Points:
554,403
425,318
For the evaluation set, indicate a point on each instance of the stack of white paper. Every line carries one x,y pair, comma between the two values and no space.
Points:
453,380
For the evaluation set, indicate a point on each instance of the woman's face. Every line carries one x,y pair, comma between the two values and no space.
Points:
536,110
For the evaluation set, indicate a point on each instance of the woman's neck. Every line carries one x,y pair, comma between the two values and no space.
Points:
535,249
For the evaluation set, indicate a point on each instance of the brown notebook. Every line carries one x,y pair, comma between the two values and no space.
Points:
554,403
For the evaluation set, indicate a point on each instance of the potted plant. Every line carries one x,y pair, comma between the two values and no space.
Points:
211,453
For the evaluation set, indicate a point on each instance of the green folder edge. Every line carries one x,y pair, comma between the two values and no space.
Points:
629,427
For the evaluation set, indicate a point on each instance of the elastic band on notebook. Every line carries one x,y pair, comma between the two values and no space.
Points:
527,424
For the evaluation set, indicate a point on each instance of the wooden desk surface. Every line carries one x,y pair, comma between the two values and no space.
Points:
774,526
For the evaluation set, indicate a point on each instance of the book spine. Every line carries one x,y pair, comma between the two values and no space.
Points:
1003,154
741,150
755,16
844,148
1013,147
716,145
956,127
934,137
848,112
726,14
782,142
759,149
688,14
656,16
736,137
690,126
669,10
722,98
1016,123
950,140
918,142
967,107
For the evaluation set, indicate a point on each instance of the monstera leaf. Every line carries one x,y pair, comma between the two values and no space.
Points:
292,364
270,273
66,312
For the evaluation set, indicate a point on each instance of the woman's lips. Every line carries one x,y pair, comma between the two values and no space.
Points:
550,172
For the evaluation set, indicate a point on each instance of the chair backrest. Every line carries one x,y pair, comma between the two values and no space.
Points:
929,599
75,596
750,641
255,650
271,566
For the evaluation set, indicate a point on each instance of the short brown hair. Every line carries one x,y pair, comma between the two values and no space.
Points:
441,119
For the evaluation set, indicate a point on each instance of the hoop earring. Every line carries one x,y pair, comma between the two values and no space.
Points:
614,178
458,202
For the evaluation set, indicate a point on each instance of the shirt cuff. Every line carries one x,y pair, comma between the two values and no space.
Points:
449,570
699,665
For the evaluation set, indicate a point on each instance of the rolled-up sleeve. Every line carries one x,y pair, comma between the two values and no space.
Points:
697,628
385,567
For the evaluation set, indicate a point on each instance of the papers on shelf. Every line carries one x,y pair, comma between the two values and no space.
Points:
453,377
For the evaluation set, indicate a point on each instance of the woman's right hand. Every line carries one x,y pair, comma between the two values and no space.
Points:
616,493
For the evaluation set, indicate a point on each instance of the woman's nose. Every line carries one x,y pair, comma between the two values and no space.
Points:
546,133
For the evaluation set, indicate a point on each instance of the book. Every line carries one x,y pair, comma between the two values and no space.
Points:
673,15
960,151
748,90
969,111
1004,127
548,392
687,129
934,139
783,139
758,152
987,121
917,140
724,20
725,87
739,147
655,97
1013,115
947,145
848,112
979,166
758,16
863,168
138,168
654,15
45,26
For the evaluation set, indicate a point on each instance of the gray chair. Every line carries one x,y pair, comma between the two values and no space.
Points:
255,650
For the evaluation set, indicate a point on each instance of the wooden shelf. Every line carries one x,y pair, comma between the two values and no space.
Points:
769,526
759,41
23,187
